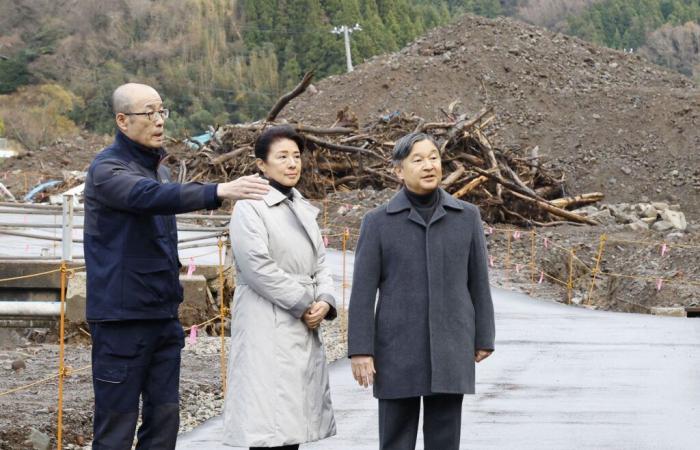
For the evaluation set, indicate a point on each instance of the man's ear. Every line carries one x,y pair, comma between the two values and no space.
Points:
398,170
121,120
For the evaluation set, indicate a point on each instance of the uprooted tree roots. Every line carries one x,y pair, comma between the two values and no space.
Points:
506,186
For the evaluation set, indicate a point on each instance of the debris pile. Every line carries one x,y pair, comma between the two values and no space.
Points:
508,186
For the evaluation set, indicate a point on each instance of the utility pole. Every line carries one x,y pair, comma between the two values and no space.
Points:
346,30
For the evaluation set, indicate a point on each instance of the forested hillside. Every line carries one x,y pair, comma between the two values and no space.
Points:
214,61
218,61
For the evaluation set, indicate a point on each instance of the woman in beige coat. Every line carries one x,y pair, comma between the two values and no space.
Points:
278,394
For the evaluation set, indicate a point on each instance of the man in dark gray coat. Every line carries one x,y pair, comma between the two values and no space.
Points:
425,252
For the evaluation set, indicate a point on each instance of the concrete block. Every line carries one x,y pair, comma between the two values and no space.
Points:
76,298
195,307
668,311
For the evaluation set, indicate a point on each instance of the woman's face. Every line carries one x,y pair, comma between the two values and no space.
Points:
283,163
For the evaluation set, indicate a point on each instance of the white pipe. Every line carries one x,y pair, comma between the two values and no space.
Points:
30,309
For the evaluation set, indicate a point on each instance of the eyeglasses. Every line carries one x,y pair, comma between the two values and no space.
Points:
152,115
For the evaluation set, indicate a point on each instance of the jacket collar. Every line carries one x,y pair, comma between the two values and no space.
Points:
147,157
275,197
400,202
304,211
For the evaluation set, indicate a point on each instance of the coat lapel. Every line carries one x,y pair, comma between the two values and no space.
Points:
399,203
306,213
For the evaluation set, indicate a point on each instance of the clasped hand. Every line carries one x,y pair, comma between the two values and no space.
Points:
315,314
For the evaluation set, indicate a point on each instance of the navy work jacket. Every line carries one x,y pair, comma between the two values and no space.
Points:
130,236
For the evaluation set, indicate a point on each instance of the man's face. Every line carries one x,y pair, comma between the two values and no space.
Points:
139,128
421,171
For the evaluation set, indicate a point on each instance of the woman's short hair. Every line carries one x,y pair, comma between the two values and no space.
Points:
275,133
403,146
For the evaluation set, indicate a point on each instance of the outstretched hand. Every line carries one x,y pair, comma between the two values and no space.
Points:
250,187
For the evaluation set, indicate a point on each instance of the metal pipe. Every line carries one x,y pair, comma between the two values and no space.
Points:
34,212
80,212
56,226
30,309
36,236
56,208
35,225
200,238
38,258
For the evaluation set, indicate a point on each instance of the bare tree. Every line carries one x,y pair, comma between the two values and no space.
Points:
677,47
551,13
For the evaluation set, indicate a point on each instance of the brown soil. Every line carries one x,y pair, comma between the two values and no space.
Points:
31,167
613,121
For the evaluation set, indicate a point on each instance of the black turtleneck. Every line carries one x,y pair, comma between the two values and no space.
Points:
286,190
424,204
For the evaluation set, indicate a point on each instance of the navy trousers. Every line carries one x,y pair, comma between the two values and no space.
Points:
442,422
133,361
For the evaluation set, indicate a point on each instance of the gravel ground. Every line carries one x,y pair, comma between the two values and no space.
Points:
34,410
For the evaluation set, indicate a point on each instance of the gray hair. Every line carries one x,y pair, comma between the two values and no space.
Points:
121,100
403,146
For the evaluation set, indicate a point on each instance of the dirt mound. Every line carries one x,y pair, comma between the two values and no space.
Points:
615,122
20,174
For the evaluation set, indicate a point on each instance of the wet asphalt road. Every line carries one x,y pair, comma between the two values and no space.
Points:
561,378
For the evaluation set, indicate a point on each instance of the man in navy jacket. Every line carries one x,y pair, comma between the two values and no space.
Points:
133,289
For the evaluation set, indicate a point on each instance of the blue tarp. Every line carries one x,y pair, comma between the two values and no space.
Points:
197,141
39,188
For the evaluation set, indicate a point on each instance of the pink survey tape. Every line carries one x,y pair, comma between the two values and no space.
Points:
192,339
191,267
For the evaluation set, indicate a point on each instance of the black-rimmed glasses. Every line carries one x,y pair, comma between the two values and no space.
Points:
152,115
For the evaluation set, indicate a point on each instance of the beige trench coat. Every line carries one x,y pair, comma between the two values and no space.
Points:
277,387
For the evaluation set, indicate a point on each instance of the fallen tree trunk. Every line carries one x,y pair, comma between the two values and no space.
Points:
578,201
467,188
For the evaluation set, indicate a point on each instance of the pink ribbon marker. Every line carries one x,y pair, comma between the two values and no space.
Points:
659,284
546,243
490,230
664,249
191,267
517,268
541,278
490,260
192,339
516,235
325,241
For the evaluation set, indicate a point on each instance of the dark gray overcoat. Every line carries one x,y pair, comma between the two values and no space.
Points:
434,307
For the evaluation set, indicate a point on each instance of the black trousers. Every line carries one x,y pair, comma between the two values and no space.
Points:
133,361
442,420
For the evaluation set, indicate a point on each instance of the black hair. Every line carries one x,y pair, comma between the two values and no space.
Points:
272,134
403,146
